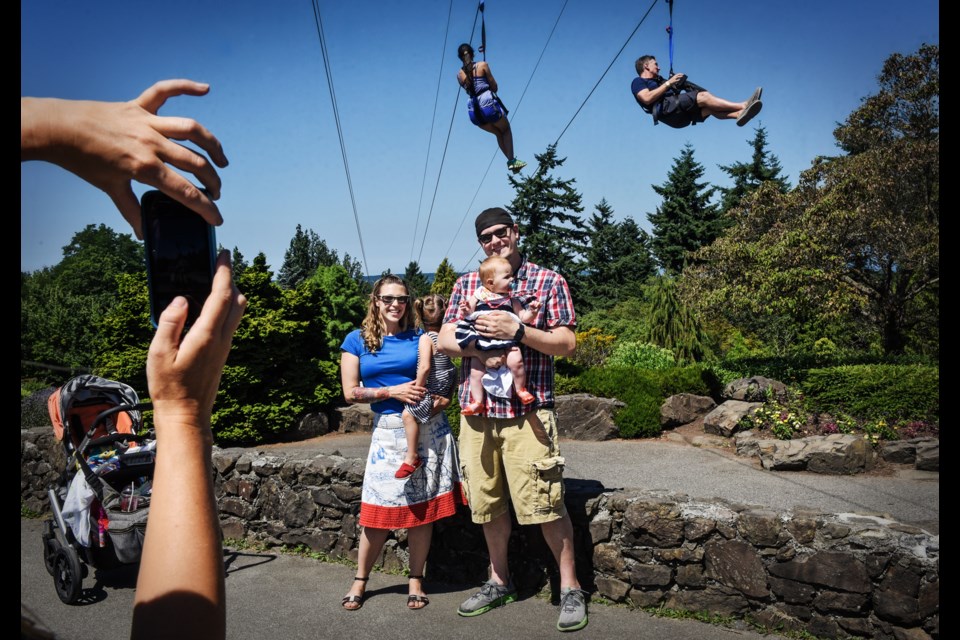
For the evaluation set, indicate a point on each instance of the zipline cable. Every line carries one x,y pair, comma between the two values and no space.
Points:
515,109
336,117
446,144
632,33
433,120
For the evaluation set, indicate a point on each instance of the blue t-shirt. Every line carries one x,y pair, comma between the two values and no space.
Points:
395,363
638,85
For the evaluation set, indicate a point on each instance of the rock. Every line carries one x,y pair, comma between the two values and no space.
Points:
899,452
725,419
755,389
311,426
354,417
928,455
581,416
684,408
834,454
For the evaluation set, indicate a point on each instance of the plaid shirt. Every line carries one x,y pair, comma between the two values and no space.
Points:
556,310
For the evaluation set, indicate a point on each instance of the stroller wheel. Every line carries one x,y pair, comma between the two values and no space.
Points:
50,546
67,575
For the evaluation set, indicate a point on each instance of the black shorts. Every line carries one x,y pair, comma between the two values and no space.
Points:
681,110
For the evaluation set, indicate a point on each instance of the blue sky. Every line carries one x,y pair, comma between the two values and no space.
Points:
270,106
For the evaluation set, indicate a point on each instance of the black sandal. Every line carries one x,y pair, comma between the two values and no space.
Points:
415,598
354,599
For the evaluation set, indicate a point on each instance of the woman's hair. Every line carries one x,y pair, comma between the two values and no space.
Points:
489,266
467,67
430,310
372,327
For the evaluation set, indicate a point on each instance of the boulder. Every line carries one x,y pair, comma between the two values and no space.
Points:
755,389
928,455
354,417
725,419
684,408
834,454
581,416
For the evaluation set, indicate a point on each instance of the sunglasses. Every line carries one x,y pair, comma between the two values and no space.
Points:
501,233
394,299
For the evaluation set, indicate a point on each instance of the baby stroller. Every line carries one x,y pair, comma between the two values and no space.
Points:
100,506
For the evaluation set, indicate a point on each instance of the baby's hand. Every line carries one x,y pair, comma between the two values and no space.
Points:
534,305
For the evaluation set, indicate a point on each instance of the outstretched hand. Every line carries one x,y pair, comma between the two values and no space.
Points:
109,144
183,371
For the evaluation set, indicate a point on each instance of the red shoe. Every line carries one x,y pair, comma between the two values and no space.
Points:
406,470
474,409
525,396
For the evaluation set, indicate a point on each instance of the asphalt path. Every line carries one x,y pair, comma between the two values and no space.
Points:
272,595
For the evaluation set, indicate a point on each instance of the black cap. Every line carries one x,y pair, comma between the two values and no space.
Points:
490,217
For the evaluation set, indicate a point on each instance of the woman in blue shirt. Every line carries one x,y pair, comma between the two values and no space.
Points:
378,365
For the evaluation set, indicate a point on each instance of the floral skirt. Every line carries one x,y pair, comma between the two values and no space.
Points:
431,493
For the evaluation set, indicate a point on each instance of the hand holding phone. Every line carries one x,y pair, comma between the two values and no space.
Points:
181,254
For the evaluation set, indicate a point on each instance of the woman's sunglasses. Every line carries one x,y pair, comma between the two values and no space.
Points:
394,299
501,233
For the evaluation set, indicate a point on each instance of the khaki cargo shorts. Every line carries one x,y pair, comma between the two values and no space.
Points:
515,460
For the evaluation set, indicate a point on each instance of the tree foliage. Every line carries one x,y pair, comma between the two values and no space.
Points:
443,279
686,220
672,324
61,307
617,260
417,283
852,254
747,176
547,210
306,252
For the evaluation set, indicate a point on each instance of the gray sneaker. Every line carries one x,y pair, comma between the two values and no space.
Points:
573,610
490,596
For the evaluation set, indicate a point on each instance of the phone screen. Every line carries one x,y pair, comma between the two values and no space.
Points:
181,254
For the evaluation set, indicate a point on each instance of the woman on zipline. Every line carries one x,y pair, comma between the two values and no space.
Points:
485,109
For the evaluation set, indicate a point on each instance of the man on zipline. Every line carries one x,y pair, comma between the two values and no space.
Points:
676,103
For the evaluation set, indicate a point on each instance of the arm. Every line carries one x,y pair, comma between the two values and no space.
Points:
424,359
484,68
554,341
181,569
650,97
354,392
108,144
529,314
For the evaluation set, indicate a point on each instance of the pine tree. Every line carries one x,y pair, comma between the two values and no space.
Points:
686,220
306,252
547,210
617,259
239,263
747,176
672,325
444,279
417,284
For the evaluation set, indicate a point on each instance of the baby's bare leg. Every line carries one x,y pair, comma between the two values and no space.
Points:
412,430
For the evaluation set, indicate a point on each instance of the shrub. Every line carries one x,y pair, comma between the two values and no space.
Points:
641,355
593,348
643,392
33,408
892,393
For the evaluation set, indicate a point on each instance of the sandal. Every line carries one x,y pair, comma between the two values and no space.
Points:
474,409
416,601
406,469
358,600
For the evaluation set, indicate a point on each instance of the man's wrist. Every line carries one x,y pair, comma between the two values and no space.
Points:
521,332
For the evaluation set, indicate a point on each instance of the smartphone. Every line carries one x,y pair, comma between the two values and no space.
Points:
181,252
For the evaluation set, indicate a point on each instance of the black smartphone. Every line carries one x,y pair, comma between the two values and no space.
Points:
181,253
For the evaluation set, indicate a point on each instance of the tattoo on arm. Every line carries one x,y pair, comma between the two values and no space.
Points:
366,394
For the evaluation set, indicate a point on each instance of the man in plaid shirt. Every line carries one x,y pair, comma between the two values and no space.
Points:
510,453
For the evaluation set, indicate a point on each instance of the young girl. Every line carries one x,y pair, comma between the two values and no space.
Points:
435,371
494,294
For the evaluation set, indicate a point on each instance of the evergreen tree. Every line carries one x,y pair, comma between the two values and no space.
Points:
686,220
417,284
547,210
747,176
239,263
444,279
672,325
617,259
307,251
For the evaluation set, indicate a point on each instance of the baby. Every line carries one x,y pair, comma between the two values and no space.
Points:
494,294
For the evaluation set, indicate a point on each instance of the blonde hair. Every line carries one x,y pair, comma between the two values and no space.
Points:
430,309
372,327
489,266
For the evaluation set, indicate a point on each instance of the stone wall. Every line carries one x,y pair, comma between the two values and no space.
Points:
829,575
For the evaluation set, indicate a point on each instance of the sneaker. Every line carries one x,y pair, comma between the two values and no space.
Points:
753,108
515,165
490,596
573,610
